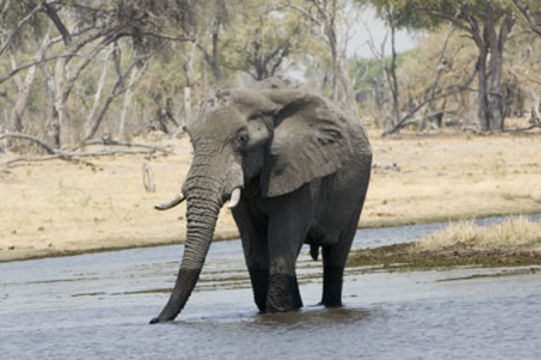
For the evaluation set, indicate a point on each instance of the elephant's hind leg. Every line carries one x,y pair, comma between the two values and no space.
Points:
332,282
334,261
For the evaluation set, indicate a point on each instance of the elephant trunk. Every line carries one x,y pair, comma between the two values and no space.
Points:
204,201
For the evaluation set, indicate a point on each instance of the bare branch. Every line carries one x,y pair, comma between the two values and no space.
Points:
19,25
118,89
13,72
111,142
452,18
303,12
33,139
53,15
523,7
5,10
447,91
77,157
439,71
101,84
517,130
179,38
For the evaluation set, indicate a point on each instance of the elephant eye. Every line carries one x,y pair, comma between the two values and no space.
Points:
254,116
242,140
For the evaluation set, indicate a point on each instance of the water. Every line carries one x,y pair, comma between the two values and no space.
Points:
98,305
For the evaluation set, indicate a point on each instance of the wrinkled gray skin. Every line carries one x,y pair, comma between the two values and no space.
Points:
303,168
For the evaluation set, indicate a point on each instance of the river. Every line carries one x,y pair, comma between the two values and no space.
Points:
97,306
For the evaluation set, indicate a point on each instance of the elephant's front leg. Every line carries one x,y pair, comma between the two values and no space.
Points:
252,226
283,291
257,261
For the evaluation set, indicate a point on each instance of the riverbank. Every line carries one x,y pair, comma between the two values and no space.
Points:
57,208
514,242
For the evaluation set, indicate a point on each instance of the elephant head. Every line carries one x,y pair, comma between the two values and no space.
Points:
250,142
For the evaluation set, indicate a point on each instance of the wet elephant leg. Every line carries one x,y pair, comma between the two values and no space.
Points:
334,261
252,226
286,232
260,284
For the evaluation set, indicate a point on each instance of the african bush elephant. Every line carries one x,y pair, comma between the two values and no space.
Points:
295,170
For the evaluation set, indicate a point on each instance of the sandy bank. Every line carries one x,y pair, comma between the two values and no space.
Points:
55,208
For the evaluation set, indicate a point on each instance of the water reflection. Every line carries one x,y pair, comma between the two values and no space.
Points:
310,317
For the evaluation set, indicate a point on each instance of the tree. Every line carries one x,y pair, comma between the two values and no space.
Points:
265,36
85,29
488,23
388,65
327,15
204,22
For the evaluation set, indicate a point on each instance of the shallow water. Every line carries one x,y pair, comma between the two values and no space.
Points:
98,305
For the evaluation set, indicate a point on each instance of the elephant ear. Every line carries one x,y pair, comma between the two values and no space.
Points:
310,141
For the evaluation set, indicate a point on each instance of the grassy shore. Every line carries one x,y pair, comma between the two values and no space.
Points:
55,208
514,242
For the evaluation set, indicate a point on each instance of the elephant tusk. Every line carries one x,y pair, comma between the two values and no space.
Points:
235,198
171,204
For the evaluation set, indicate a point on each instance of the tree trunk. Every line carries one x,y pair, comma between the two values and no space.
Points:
90,120
391,71
215,62
435,82
187,105
24,87
535,116
22,100
331,35
496,103
378,106
483,111
492,100
57,114
126,105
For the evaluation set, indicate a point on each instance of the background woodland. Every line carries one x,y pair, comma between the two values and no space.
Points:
77,72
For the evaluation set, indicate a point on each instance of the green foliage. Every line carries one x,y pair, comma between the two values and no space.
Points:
265,36
182,39
418,68
427,14
366,71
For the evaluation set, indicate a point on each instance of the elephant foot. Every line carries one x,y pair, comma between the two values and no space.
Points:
260,284
332,286
283,293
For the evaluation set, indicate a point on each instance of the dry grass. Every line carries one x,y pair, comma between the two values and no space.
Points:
514,242
454,177
57,208
512,233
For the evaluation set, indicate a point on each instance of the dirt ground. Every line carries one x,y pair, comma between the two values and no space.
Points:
56,207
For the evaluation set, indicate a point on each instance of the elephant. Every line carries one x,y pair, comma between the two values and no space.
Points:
294,168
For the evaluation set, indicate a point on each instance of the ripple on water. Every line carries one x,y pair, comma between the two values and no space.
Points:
98,306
